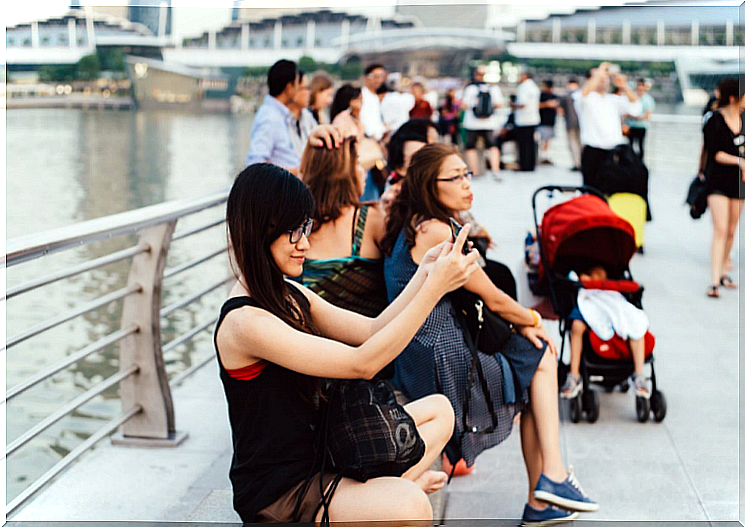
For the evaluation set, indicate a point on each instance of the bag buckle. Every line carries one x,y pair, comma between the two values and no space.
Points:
480,310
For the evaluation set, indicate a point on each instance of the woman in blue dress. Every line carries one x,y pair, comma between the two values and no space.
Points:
522,378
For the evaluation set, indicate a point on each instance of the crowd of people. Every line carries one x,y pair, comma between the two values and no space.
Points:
348,266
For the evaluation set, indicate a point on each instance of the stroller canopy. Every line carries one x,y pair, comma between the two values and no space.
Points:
586,229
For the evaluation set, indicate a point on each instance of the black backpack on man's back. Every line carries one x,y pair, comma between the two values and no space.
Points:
483,106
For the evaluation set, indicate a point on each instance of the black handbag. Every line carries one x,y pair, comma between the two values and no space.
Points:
366,433
696,198
488,331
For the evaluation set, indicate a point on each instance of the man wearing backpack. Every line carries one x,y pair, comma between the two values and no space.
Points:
481,120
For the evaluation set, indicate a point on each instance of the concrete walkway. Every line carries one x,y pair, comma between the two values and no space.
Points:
685,468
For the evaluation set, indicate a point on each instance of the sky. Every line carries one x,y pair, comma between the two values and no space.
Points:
15,12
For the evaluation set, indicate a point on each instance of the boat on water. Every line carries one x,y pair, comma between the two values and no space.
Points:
161,85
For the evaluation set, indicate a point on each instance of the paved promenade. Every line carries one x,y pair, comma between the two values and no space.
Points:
684,469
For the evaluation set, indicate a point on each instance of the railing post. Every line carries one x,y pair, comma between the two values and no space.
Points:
155,425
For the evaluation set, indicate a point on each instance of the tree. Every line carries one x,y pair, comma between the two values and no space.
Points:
306,63
89,67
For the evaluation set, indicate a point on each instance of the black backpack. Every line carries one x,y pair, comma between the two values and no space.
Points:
483,106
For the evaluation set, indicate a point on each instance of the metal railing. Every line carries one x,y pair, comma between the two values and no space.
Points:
145,391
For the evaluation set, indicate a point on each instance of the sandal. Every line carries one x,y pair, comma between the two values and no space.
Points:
727,282
713,291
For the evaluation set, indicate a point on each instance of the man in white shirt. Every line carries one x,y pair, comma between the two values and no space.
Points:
481,101
370,116
394,108
600,114
527,118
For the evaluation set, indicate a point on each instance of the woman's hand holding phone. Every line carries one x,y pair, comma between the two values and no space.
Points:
452,267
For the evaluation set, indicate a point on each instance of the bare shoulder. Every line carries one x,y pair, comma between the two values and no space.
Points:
376,221
431,232
236,332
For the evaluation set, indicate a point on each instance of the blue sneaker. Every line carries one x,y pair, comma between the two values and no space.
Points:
567,494
548,516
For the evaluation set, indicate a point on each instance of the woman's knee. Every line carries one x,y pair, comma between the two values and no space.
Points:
548,362
444,412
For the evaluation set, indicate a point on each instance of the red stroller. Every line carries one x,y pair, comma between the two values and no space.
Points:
580,229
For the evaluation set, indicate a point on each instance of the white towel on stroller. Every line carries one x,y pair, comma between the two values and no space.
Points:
608,312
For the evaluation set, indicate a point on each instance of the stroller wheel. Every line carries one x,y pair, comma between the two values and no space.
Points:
575,409
592,406
642,409
658,405
625,386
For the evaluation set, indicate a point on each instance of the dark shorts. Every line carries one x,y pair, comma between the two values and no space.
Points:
281,510
473,135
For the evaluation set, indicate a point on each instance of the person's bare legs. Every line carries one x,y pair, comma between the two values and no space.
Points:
435,419
494,160
379,502
637,354
544,407
733,218
472,160
575,346
531,455
719,206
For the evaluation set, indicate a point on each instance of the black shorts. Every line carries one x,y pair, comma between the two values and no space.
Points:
473,135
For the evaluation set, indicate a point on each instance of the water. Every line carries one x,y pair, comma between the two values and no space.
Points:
68,166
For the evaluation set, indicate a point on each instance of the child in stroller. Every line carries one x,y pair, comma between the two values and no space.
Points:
583,234
609,313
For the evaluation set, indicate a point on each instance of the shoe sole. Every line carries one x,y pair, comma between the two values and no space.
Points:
564,503
555,521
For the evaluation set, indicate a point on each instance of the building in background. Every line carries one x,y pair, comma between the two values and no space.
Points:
156,16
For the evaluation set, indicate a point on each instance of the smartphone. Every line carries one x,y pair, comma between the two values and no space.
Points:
455,228
614,69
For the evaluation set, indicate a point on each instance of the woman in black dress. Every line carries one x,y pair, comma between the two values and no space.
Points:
725,146
276,340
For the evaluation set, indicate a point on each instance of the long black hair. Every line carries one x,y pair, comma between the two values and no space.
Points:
265,202
344,95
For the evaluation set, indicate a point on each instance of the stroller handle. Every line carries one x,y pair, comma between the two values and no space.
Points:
562,188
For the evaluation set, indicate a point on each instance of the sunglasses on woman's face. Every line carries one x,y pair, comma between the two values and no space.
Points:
297,233
457,179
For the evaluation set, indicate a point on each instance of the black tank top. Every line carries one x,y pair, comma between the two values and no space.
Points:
272,429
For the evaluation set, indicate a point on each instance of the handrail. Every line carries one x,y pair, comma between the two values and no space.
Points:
188,335
188,372
188,300
195,230
69,360
69,407
72,456
188,265
72,271
143,382
64,317
26,248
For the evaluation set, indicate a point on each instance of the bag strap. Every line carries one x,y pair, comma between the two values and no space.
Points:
359,229
477,368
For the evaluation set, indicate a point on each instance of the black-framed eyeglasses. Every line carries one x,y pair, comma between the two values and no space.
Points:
457,179
297,233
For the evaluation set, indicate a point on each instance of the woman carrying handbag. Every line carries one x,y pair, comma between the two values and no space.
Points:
276,340
486,391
